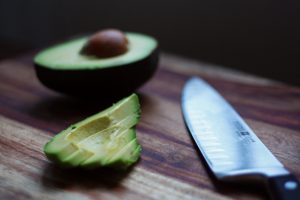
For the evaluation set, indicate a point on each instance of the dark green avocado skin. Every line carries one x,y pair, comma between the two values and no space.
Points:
106,82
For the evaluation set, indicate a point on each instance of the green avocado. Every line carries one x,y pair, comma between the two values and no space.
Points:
107,138
64,68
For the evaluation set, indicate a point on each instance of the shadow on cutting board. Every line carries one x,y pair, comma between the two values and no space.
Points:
57,177
56,112
59,111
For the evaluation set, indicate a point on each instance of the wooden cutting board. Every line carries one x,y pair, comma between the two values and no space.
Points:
170,166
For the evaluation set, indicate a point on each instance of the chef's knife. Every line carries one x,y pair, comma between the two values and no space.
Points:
230,148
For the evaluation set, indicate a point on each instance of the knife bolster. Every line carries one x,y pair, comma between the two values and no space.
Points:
285,187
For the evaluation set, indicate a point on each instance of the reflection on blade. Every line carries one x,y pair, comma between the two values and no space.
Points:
227,143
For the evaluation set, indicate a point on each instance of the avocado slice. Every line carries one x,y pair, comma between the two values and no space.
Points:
95,141
64,68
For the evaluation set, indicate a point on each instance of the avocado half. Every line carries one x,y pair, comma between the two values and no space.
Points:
106,139
63,68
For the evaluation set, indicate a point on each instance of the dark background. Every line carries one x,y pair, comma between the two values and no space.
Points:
257,36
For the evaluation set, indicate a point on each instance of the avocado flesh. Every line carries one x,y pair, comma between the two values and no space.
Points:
125,157
77,157
103,154
105,143
66,56
93,141
114,114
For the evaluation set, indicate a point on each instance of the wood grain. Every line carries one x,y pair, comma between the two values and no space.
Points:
27,174
170,166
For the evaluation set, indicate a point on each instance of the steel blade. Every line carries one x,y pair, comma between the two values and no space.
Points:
227,143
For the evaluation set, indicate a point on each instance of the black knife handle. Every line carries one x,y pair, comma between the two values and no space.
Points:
285,187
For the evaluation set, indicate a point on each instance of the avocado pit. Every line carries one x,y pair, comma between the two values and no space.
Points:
105,44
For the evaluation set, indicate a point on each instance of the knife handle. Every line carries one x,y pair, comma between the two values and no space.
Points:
285,187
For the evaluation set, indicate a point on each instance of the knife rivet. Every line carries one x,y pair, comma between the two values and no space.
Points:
290,185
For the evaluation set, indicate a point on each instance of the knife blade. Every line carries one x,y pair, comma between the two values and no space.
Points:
229,146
